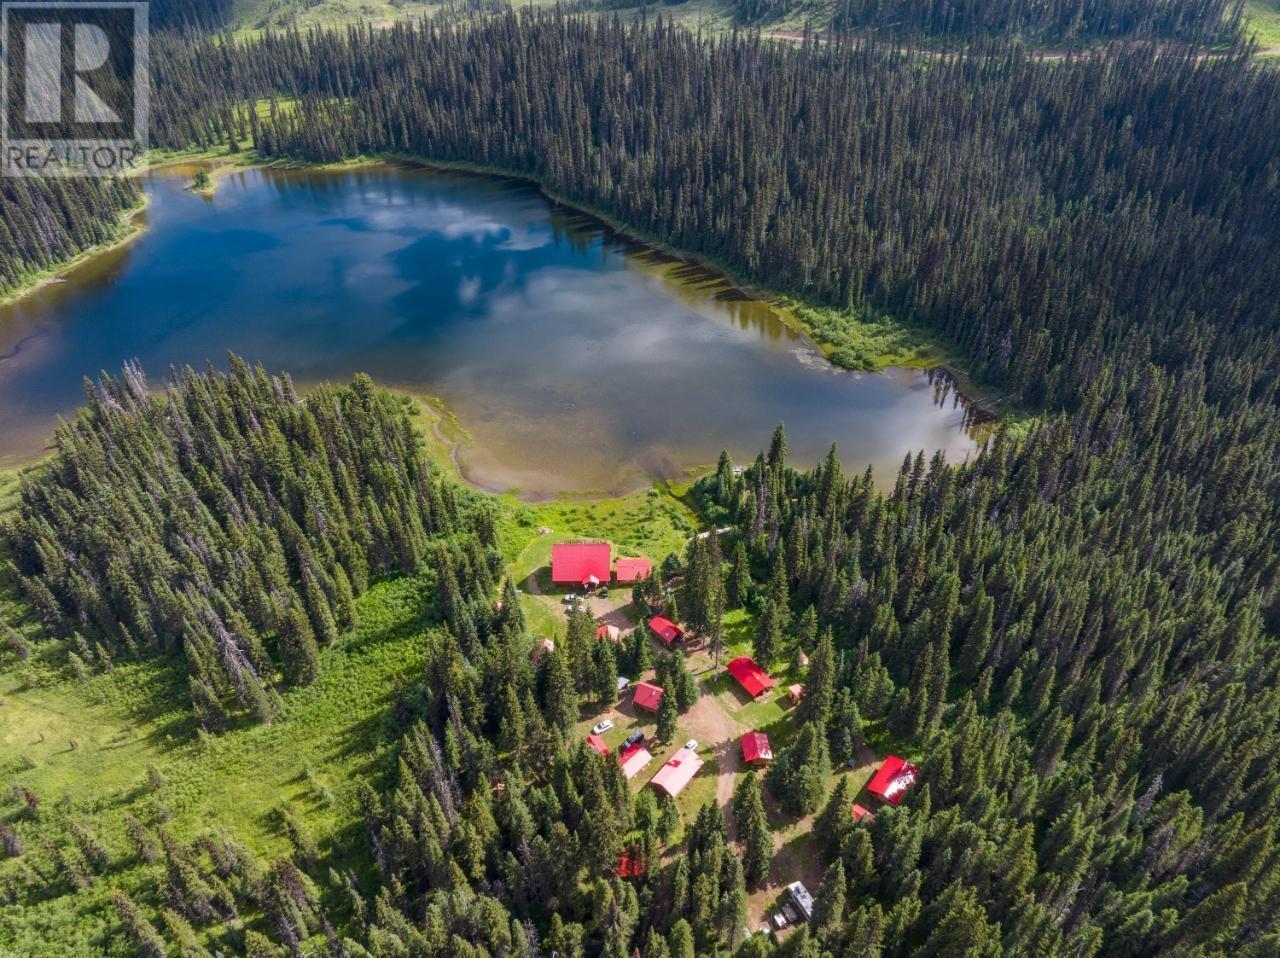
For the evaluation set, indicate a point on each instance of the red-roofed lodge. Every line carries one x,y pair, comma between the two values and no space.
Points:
756,749
892,779
581,563
666,630
648,696
677,773
750,676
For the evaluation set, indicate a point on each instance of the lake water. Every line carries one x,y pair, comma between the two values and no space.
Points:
576,360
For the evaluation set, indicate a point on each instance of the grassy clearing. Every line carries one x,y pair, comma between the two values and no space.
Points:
253,16
869,342
86,748
1262,22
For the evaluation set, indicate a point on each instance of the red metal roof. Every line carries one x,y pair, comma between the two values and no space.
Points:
634,759
892,779
633,570
861,814
753,678
665,629
597,743
610,632
631,864
573,563
648,696
756,748
677,773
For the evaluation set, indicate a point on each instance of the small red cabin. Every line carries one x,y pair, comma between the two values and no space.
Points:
648,696
633,570
750,676
756,749
892,779
666,630
597,743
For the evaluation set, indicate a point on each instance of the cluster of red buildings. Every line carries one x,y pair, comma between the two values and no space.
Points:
590,564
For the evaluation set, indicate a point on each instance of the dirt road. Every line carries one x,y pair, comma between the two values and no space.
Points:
716,731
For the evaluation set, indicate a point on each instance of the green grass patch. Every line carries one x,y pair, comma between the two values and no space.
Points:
869,341
85,748
1262,22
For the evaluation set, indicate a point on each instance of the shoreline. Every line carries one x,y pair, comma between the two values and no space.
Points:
129,228
928,350
929,356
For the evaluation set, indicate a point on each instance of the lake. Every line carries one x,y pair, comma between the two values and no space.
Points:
575,359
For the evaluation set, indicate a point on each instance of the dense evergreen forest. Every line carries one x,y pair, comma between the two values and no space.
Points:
221,518
1185,21
1042,216
44,223
1075,635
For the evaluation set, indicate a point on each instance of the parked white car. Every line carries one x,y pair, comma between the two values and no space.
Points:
691,745
602,727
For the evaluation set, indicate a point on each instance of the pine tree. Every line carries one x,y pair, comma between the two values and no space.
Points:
819,686
561,698
668,717
769,635
141,932
753,830
298,650
683,682
738,584
828,906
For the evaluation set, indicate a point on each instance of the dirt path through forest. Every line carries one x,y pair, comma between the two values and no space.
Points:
717,732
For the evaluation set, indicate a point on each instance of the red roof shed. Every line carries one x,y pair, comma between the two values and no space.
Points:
666,630
597,743
648,696
631,864
756,749
575,563
861,814
610,632
752,678
892,779
633,570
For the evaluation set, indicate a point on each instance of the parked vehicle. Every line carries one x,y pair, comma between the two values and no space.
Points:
691,745
602,727
633,738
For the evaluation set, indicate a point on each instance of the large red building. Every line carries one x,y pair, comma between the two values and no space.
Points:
677,773
581,563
